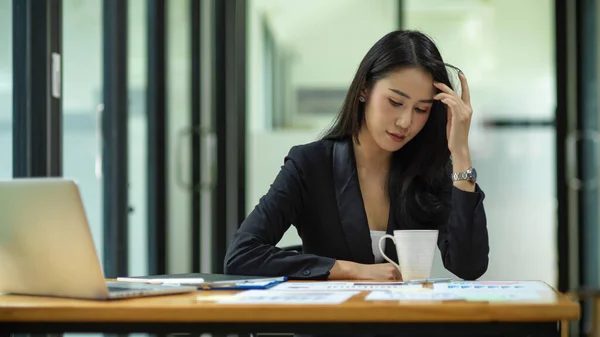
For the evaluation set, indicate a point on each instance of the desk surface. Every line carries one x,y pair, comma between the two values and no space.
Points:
187,308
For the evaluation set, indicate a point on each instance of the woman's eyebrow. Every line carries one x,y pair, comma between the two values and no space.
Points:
402,93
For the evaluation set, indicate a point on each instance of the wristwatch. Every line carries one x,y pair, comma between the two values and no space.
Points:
470,174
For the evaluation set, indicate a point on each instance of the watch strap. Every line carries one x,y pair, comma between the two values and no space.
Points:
464,175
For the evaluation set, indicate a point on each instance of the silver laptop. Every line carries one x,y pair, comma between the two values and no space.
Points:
46,246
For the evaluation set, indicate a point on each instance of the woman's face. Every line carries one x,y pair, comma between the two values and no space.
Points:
398,106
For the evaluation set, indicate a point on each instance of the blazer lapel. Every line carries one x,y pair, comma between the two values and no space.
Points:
350,203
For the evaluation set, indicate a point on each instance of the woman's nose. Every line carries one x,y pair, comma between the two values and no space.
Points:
404,119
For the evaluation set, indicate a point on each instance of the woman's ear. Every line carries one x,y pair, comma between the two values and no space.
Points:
364,94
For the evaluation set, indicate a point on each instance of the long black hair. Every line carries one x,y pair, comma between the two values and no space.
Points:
419,171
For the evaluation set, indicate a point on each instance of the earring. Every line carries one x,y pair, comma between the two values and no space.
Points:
362,99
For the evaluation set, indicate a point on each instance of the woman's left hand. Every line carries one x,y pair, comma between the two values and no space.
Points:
459,114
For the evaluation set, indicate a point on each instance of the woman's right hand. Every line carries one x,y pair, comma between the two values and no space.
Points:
378,272
346,270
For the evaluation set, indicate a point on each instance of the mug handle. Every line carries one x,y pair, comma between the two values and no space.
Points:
388,236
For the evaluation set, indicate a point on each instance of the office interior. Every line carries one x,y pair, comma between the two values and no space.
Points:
175,116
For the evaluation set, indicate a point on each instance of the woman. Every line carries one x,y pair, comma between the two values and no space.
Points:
397,157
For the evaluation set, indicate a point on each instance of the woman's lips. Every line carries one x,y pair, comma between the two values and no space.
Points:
396,137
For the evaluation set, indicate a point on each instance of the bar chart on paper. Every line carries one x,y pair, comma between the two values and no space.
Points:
486,291
492,285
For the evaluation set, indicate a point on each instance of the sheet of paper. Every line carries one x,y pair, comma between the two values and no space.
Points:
181,281
499,296
492,285
343,286
288,297
212,298
474,296
495,291
411,296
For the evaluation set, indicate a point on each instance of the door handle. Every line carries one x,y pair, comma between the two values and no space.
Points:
571,141
99,139
182,135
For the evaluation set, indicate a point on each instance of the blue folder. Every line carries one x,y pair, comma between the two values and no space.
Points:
265,283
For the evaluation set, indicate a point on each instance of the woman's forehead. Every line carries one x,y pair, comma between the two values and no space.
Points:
414,82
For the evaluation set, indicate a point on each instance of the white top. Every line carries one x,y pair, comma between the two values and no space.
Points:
375,236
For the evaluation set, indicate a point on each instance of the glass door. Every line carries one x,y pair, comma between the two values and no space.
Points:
83,108
179,136
137,61
580,137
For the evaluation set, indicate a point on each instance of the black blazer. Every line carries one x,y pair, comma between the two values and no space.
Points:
317,190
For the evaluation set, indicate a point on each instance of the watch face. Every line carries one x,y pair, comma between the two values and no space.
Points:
474,173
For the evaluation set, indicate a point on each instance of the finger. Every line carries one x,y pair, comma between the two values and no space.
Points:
443,95
466,94
444,88
449,115
455,111
457,104
451,103
394,272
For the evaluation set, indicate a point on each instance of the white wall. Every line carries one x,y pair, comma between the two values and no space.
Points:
328,54
505,47
327,39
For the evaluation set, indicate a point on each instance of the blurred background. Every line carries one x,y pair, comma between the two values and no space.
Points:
175,116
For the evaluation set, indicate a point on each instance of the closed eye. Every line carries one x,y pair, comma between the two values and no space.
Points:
421,110
394,103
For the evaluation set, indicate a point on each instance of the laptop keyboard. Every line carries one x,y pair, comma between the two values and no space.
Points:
117,289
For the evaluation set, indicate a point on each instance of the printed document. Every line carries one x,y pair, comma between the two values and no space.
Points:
288,297
343,286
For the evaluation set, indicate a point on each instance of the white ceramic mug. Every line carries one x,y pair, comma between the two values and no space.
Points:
415,249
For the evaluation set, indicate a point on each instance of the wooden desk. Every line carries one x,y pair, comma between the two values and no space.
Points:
179,313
